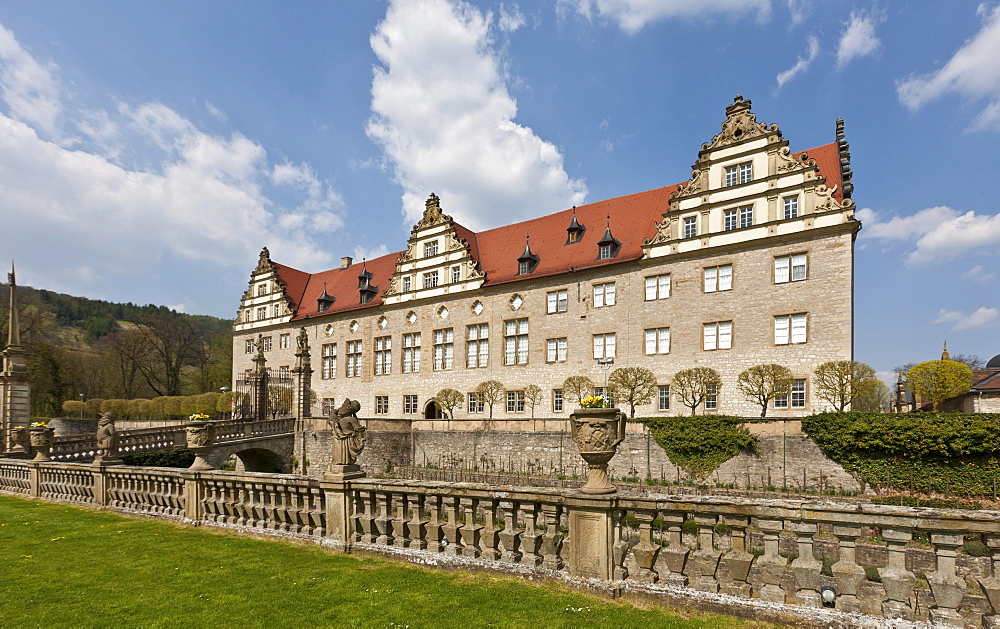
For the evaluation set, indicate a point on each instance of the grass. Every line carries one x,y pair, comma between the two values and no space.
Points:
70,566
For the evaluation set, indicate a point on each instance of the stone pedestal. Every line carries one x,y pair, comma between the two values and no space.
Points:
991,585
737,560
897,580
948,588
592,529
771,564
848,575
645,551
805,568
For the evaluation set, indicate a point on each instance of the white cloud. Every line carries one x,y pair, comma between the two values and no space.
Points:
363,253
511,18
972,71
443,116
190,196
797,11
633,15
980,318
803,63
216,112
858,39
979,275
940,232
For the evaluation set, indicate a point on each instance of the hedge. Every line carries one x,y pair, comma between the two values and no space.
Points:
700,443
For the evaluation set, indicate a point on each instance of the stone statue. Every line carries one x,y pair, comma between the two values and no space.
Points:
348,433
302,341
107,441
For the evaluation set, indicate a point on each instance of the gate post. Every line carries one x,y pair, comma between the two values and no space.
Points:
591,534
303,377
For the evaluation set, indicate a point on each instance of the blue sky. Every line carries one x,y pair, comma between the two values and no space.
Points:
150,149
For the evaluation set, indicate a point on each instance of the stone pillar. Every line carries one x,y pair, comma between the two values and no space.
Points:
771,564
303,377
470,531
399,522
948,588
489,541
805,567
338,499
451,510
510,536
194,510
417,526
645,552
552,538
897,580
737,560
847,574
592,533
676,553
703,563
991,584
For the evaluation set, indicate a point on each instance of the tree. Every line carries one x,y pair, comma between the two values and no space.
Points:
532,396
633,385
692,385
841,382
762,383
875,400
174,341
448,399
279,400
575,388
490,392
937,380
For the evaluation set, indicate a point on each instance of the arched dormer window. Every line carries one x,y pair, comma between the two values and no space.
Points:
608,246
325,300
574,233
527,261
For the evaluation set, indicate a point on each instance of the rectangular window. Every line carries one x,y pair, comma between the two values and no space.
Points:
690,227
285,341
444,349
791,207
430,248
663,397
515,342
381,404
411,352
475,403
718,278
329,370
732,176
407,284
522,267
718,335
790,268
515,401
262,313
477,346
658,287
409,404
557,400
430,279
250,346
797,393
729,220
604,295
329,406
283,372
277,311
604,345
556,301
741,173
746,216
711,397
790,329
261,290
658,341
555,350
353,359
604,253
267,343
383,355
456,274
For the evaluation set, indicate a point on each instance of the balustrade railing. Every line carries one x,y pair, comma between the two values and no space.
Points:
896,562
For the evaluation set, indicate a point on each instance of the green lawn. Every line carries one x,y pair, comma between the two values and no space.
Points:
68,566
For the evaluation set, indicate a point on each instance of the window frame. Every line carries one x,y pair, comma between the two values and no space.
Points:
515,345
410,356
602,290
716,334
730,219
789,270
443,351
663,397
328,354
431,278
355,358
431,248
556,301
746,216
658,341
411,404
789,328
790,207
604,336
383,355
657,286
285,340
477,346
515,401
716,273
475,403
381,404
556,352
690,226
558,402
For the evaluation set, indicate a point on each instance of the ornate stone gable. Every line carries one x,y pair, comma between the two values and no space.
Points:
265,290
740,125
437,260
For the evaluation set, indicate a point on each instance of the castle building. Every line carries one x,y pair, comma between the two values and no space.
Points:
750,261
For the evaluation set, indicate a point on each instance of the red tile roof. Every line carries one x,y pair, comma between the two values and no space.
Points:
986,380
632,218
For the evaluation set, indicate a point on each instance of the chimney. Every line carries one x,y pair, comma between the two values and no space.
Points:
346,261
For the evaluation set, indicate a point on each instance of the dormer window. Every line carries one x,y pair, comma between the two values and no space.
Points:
527,261
608,245
574,233
365,287
430,248
325,301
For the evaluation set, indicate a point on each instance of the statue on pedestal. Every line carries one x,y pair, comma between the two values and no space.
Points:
107,441
348,440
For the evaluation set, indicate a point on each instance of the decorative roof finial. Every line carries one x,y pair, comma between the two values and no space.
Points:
944,353
14,327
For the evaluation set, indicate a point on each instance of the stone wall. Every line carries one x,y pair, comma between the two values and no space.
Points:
66,427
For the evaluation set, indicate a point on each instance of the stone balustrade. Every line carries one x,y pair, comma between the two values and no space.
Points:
880,561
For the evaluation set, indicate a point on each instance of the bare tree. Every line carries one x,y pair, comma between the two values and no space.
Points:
762,383
448,399
490,392
575,388
692,385
174,341
634,385
532,396
841,382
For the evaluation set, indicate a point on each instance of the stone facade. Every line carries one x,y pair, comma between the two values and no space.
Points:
757,247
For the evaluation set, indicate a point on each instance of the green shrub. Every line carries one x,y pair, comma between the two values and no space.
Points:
699,444
975,548
871,574
173,457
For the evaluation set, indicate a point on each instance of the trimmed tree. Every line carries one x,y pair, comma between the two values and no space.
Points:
874,400
633,385
762,383
448,399
937,380
532,396
842,382
490,392
575,388
692,385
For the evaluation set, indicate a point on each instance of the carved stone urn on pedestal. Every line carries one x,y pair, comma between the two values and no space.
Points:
597,432
41,442
201,441
19,436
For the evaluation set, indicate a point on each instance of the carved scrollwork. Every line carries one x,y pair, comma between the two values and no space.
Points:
693,185
432,213
740,124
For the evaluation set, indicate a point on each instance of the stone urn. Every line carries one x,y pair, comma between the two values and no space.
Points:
19,437
41,442
201,441
597,432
